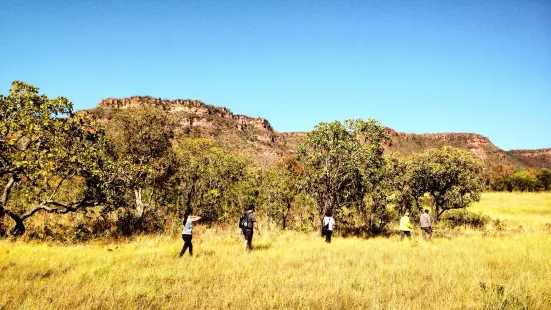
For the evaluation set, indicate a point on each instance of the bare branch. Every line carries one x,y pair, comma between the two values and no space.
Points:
59,208
7,191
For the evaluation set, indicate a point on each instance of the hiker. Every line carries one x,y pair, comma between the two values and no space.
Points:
186,233
405,227
327,228
426,225
247,223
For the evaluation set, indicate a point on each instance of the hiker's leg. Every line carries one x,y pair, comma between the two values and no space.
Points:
408,234
184,248
250,241
328,236
424,233
402,234
189,245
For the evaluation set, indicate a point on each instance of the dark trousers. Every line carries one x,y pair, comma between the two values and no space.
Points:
328,234
405,233
187,244
248,233
427,232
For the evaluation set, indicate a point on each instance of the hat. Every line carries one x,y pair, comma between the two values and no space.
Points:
407,213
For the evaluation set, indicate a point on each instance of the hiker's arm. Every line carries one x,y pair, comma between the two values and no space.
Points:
194,218
256,227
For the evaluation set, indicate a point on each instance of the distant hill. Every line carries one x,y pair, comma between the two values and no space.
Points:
539,158
255,138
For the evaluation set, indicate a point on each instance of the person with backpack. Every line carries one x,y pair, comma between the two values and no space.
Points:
187,232
247,223
405,227
327,229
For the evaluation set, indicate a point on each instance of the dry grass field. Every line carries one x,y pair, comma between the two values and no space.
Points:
292,270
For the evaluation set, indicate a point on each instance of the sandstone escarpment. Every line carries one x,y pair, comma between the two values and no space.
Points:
255,138
539,158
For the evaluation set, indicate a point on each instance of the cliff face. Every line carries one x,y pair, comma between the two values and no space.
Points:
249,136
255,137
540,158
480,146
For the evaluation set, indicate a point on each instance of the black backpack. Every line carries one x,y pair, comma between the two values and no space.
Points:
244,220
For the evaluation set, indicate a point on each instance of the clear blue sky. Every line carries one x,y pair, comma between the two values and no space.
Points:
416,66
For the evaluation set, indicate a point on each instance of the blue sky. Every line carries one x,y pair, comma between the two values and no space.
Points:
415,66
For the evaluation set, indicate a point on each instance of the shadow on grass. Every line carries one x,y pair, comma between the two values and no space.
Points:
262,246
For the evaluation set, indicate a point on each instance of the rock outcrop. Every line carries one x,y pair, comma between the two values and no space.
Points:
254,137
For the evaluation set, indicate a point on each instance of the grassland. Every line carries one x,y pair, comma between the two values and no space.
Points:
529,209
286,271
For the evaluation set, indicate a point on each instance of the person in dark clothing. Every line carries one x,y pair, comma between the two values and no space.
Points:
248,228
187,232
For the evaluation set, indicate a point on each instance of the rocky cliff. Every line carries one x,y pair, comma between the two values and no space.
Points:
255,138
250,136
537,159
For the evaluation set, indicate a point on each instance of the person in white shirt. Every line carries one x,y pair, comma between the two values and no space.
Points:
186,233
327,229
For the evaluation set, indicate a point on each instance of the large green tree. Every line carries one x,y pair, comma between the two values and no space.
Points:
205,177
342,162
524,181
544,178
452,177
143,150
281,186
46,151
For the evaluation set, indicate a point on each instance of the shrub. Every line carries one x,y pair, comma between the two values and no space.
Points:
457,218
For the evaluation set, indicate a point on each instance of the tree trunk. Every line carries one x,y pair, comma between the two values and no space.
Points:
19,228
140,206
284,217
3,204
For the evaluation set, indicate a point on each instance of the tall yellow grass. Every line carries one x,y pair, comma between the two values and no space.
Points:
530,209
286,271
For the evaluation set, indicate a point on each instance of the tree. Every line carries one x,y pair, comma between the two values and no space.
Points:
451,176
205,175
544,178
524,181
340,161
282,184
44,149
399,183
497,177
143,151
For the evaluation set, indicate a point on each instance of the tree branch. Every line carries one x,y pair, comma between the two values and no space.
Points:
59,207
7,191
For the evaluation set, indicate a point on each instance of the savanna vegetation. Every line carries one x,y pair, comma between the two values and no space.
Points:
90,214
499,267
67,176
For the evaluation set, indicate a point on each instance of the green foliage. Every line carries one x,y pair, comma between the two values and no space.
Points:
524,181
142,143
459,218
342,162
451,176
205,178
44,147
544,178
280,187
497,177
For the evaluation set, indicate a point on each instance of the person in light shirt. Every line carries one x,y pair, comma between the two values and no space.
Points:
187,232
426,225
405,227
328,223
